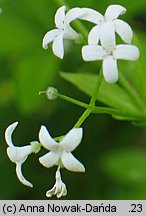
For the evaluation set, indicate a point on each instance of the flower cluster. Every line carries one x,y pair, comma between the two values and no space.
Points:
59,155
101,39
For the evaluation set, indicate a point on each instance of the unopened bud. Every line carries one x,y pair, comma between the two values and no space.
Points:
52,93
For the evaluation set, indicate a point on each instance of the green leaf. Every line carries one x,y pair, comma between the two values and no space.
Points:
111,95
138,75
135,71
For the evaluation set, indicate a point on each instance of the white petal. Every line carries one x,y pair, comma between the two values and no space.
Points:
70,33
20,175
12,153
58,48
73,14
114,11
49,37
110,70
19,154
126,52
92,16
50,159
59,17
8,133
94,36
124,30
71,163
46,140
72,139
107,35
51,192
93,53
63,191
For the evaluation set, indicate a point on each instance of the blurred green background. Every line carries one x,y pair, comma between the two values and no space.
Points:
113,152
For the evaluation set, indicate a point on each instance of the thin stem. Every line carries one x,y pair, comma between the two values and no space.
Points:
83,117
58,139
74,101
140,120
112,111
81,28
97,87
101,110
132,92
88,111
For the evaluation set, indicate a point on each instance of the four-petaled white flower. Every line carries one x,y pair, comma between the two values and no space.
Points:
59,189
19,155
109,52
100,31
63,30
60,153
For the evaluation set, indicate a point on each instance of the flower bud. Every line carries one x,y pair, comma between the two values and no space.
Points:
52,93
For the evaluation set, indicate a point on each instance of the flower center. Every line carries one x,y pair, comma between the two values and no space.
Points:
109,52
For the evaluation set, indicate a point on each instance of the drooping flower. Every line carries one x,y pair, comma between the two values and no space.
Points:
60,153
18,155
63,30
115,25
109,52
59,189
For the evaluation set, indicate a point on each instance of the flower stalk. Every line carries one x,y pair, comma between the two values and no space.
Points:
88,111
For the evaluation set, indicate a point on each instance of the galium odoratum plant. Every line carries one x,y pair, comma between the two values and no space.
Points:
101,44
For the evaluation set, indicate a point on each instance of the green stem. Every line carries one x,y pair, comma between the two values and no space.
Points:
73,101
97,87
88,111
101,110
132,92
83,117
112,111
81,28
58,139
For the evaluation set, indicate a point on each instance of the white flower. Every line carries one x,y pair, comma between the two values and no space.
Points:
109,52
114,25
60,153
59,188
19,155
63,30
